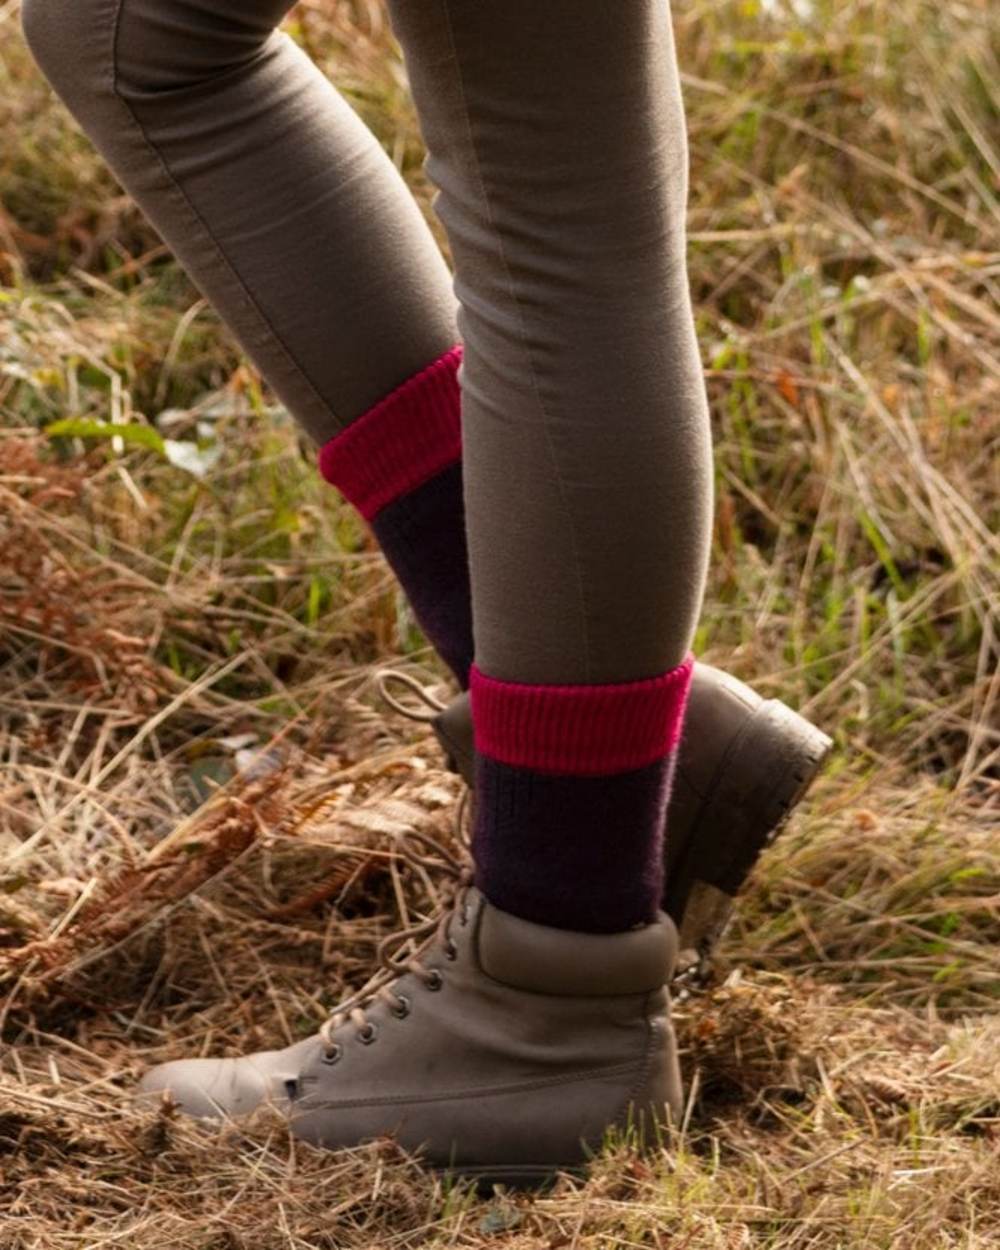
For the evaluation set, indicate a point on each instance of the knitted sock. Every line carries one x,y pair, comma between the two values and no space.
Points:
572,784
400,465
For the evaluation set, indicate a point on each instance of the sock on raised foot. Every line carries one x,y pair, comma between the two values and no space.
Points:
400,465
572,784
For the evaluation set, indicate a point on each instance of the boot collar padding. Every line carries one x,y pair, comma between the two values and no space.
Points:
543,960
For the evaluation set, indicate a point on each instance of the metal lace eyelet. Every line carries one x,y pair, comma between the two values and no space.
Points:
451,950
368,1034
401,1007
332,1053
434,979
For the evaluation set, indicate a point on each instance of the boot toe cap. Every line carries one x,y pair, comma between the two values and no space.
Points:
218,1089
209,1089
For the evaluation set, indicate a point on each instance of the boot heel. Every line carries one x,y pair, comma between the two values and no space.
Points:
763,776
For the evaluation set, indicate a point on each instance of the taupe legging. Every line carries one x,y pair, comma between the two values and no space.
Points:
556,137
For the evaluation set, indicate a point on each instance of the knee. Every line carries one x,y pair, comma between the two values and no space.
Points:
90,49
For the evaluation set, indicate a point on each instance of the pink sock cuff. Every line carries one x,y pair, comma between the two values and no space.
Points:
580,730
404,440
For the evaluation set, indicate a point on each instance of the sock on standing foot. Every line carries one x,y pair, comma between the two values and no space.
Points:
400,465
572,784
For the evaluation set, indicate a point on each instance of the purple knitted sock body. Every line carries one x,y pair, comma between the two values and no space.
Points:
400,465
572,784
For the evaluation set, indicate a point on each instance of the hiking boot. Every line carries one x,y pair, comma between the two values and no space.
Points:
744,764
502,1050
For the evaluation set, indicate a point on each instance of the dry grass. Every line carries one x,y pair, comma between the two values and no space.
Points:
201,797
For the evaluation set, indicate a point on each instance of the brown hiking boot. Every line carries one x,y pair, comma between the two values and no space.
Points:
744,764
501,1049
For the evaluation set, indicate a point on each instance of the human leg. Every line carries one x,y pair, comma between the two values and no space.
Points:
585,432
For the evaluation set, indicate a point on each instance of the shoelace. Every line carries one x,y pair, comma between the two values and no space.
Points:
381,987
432,704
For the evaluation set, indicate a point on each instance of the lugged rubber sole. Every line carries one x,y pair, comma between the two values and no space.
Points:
763,775
524,1176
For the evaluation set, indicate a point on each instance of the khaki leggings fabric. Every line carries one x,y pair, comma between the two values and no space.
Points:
556,137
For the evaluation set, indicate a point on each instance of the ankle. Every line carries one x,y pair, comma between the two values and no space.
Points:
572,785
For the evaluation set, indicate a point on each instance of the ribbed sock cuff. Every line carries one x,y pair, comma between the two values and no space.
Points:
401,442
577,730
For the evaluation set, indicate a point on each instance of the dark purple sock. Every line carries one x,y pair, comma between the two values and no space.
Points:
400,464
572,785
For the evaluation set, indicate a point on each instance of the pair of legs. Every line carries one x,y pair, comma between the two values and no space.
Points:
542,491
555,531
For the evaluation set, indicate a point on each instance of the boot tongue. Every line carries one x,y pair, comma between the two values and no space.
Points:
542,960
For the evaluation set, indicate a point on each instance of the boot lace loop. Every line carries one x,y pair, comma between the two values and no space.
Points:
432,705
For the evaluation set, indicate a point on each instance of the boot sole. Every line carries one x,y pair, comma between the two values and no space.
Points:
527,1176
762,777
